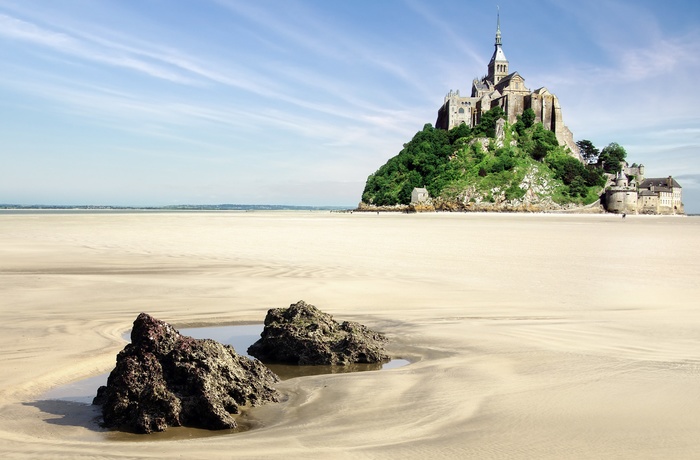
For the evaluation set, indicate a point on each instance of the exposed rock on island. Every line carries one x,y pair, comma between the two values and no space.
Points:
302,334
163,379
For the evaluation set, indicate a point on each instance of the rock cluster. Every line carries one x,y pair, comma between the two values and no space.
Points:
302,334
166,379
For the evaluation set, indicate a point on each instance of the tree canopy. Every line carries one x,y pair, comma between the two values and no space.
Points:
612,157
588,151
449,162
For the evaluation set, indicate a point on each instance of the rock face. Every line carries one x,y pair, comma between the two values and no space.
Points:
302,334
166,379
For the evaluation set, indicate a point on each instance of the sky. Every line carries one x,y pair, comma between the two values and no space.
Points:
162,102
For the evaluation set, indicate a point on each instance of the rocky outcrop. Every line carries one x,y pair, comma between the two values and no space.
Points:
166,379
302,334
443,205
449,206
367,207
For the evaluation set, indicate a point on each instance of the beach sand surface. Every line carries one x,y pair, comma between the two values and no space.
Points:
529,336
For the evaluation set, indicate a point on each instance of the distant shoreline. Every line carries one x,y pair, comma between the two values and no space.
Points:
7,210
204,207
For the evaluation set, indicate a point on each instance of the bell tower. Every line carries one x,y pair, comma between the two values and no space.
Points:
498,66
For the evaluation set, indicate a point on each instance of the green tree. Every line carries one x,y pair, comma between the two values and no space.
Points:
594,176
612,157
588,151
412,180
528,117
447,162
487,124
577,187
418,164
524,121
459,132
543,142
566,168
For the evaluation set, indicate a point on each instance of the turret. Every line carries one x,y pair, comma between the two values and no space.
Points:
621,180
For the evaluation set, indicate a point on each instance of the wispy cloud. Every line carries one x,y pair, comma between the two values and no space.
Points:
456,39
660,58
22,30
689,180
18,29
326,88
324,37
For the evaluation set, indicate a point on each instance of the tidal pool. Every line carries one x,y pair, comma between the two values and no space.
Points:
240,337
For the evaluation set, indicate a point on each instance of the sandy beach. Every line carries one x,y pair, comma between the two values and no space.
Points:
529,336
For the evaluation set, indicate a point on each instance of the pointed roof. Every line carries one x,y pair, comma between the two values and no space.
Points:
498,26
621,180
498,54
511,76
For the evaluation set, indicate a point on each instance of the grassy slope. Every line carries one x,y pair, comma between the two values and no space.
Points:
475,169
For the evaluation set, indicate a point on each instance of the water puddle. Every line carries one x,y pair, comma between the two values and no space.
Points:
240,337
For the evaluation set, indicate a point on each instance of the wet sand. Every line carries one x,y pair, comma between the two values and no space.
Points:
531,336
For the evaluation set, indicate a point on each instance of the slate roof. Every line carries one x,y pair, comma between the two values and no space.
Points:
657,182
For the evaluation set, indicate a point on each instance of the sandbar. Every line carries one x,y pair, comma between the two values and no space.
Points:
529,335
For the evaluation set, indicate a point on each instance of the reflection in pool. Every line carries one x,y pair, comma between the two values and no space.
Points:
240,337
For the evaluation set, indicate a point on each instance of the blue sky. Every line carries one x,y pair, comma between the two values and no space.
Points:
157,102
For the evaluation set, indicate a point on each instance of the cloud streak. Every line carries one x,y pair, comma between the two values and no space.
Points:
327,89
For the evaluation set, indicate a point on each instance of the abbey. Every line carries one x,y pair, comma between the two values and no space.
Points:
507,90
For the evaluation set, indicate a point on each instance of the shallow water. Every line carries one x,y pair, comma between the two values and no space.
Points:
240,337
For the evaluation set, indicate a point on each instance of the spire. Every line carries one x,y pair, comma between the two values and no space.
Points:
498,67
498,26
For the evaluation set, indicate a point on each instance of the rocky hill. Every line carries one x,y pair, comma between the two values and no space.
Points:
493,167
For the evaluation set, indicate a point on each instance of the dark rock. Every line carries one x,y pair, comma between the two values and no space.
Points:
166,379
302,334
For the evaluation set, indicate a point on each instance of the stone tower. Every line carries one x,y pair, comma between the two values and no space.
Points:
498,66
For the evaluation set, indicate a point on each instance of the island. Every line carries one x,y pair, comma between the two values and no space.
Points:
506,148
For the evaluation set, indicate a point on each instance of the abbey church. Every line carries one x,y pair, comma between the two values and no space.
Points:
506,89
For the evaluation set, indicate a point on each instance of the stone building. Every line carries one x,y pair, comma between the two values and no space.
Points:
622,196
506,89
649,196
635,170
419,195
660,195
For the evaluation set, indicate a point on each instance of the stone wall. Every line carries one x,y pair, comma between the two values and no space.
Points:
621,200
455,111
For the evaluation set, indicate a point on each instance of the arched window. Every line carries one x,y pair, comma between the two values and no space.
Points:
461,110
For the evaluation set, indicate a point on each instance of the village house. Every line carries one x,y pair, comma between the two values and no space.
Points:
419,195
